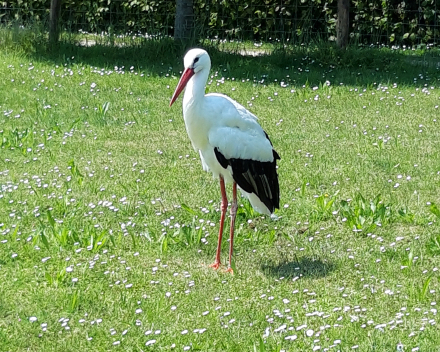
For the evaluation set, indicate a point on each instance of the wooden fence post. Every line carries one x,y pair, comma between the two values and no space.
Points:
342,24
184,23
54,29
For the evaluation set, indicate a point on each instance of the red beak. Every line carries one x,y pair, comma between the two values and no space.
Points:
186,76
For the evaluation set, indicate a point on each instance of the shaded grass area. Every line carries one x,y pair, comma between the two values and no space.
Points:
108,224
156,54
358,66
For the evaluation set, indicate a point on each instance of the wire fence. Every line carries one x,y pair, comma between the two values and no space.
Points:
124,22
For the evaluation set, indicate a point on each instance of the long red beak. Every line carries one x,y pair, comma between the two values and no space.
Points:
186,76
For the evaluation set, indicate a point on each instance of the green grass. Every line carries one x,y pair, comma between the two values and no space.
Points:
108,223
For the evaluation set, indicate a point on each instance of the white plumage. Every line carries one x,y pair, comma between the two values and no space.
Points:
231,143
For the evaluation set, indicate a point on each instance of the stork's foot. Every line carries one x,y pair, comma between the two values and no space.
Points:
230,270
215,265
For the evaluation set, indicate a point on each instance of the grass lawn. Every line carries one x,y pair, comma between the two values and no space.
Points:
108,223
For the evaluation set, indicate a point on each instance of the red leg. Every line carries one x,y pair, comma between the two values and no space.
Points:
224,207
233,214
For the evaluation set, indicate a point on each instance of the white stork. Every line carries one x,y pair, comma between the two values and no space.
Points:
231,143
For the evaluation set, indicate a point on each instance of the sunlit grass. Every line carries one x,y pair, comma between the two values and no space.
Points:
108,223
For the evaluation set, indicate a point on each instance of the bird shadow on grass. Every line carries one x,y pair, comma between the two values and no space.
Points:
301,267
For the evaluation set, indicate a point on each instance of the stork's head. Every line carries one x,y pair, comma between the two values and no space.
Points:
195,60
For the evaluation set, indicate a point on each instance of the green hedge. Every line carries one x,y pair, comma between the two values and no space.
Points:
371,21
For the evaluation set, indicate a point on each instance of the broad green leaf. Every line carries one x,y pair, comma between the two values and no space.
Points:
44,240
188,209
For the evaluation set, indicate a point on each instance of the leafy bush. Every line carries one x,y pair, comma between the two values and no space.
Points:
371,22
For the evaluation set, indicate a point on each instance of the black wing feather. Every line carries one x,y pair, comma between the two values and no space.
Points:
254,176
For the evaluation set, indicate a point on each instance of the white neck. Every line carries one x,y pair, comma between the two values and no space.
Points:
195,88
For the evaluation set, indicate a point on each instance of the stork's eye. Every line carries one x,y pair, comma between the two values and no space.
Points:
196,59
